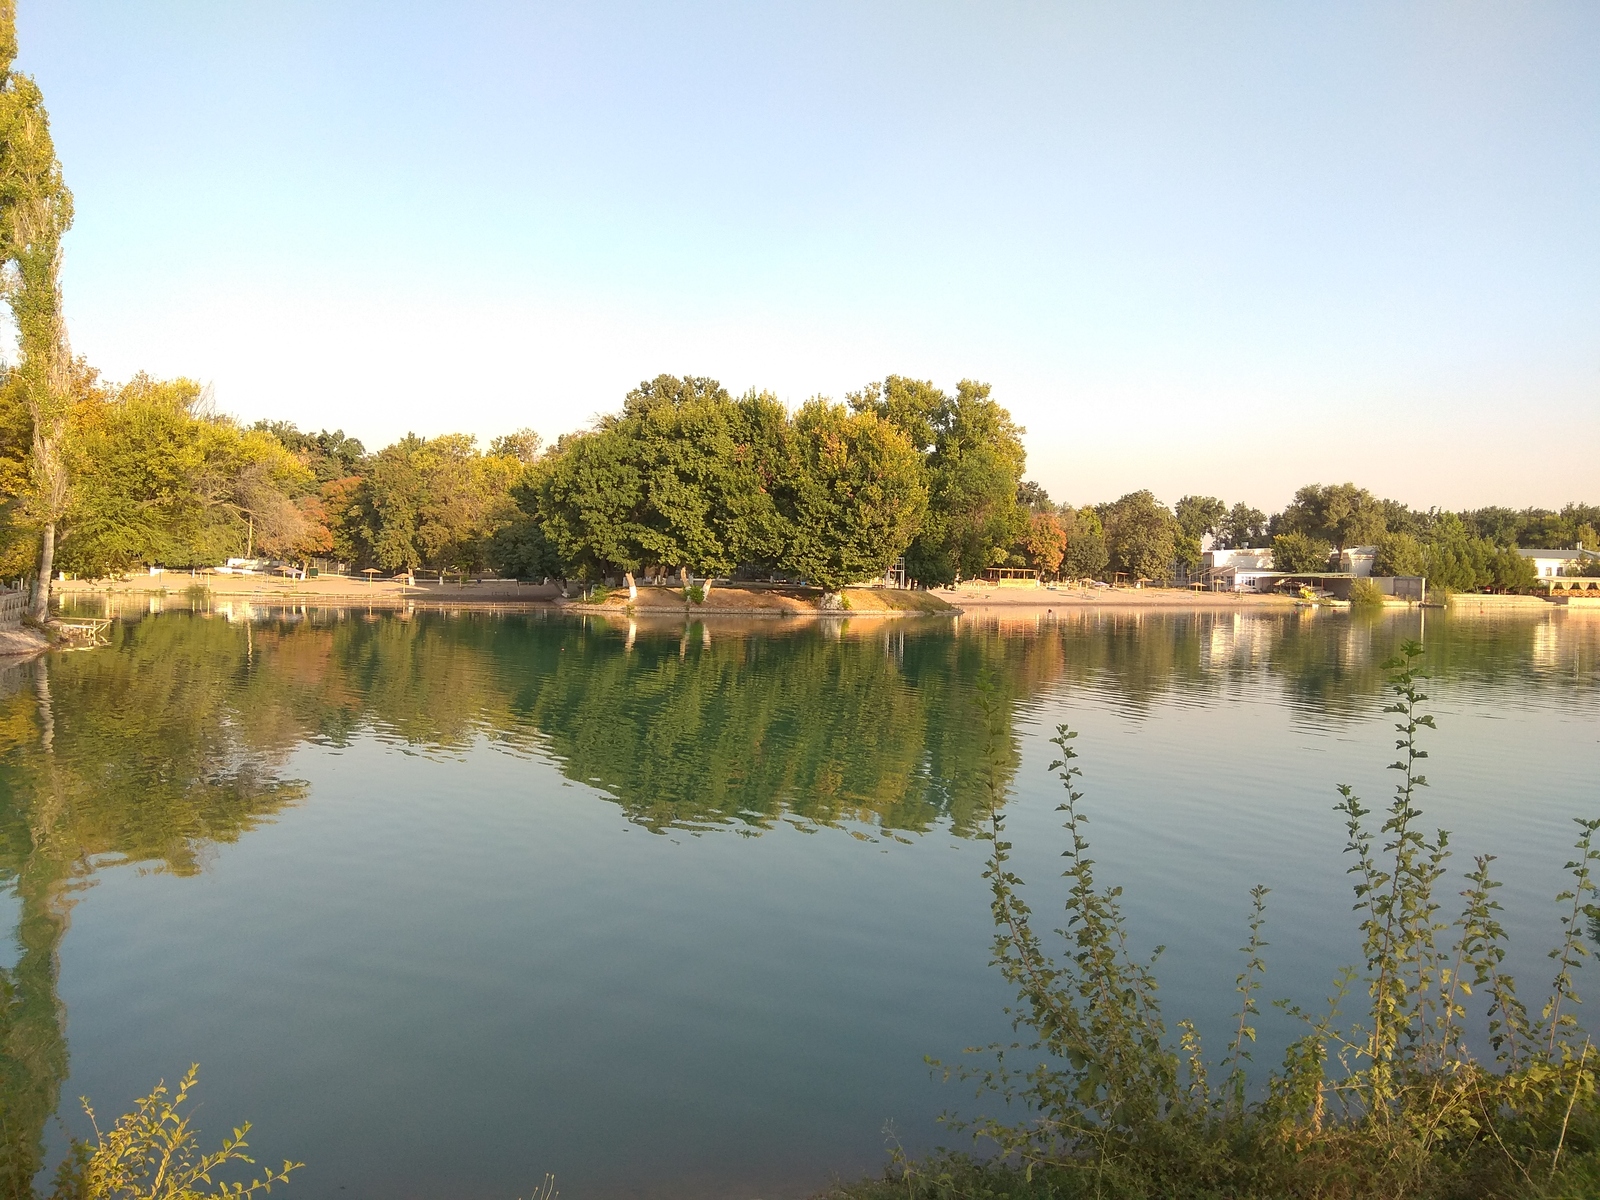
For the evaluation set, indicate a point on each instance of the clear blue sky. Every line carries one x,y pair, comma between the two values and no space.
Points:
1223,248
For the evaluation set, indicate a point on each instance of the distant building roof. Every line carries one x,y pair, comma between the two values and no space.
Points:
1564,555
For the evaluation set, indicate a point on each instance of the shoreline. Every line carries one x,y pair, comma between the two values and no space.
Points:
743,601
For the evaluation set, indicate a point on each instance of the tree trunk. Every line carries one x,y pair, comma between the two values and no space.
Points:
47,566
633,591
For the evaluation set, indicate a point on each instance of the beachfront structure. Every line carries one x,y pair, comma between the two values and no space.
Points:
1246,569
1358,561
1253,558
1011,577
1554,564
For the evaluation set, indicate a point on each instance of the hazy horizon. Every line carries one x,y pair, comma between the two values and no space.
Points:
1225,251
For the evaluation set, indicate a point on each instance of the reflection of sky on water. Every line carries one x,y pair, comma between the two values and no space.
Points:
507,921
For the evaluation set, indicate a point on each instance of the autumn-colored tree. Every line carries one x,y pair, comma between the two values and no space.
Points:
1045,544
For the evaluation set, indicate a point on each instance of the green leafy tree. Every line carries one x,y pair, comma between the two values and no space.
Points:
1141,535
35,213
682,477
433,503
1034,498
158,478
1400,554
852,493
1455,560
1509,571
1341,514
524,445
1401,518
1086,556
973,458
327,456
1300,552
1198,516
1243,527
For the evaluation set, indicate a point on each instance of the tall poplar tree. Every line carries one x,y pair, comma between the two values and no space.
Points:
35,211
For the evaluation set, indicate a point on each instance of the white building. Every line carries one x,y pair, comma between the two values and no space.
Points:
1247,569
1254,558
1553,564
1358,561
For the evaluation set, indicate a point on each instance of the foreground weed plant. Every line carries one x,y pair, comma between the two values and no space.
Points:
152,1153
1388,1104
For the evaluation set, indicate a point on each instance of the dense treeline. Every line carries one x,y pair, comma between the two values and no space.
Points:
685,475
96,479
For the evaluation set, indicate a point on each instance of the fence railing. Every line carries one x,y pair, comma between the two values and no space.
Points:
13,607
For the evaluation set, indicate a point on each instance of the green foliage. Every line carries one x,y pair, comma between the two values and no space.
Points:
1535,528
1141,535
327,456
432,503
852,492
1391,1104
1197,516
1365,593
153,1153
1400,554
682,477
1086,556
159,479
686,476
1510,571
1243,527
1341,514
1300,552
973,459
519,549
35,213
695,593
1034,498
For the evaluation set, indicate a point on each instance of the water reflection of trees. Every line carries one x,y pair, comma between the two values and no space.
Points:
176,738
1323,662
140,756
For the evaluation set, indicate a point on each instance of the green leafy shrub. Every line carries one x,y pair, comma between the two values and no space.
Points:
695,593
1389,1104
152,1153
1365,593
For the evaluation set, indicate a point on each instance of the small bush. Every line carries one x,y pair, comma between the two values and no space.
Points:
599,594
1365,593
695,594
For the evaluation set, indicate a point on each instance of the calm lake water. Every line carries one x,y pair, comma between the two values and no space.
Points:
446,902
